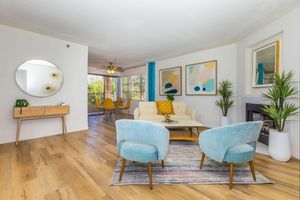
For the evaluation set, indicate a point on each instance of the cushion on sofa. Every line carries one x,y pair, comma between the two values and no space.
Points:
179,108
148,111
161,117
164,107
147,108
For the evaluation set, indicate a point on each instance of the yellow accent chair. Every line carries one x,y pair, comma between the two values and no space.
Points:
119,101
98,103
109,107
126,106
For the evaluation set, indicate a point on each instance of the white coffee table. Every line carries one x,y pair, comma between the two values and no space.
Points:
183,125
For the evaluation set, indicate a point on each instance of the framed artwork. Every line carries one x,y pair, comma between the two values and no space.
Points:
265,64
170,81
201,78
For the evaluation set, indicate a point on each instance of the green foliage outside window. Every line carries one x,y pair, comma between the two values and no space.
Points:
95,88
133,87
96,85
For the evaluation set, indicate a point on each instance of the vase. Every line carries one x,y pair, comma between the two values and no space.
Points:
224,121
279,145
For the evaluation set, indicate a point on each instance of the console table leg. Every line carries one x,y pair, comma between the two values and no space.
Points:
64,125
18,130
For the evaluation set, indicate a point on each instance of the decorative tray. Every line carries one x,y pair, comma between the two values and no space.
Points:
170,121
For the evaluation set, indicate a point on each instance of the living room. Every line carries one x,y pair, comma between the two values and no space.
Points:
52,146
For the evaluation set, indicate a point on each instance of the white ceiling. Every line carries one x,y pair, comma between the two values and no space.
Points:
135,31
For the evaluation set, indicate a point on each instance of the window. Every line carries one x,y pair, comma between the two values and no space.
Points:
95,88
134,87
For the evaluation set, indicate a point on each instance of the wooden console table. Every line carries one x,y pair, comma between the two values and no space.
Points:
40,112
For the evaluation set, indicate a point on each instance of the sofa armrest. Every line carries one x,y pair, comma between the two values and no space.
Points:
191,113
136,113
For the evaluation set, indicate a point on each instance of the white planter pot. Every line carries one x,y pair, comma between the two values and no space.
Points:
224,121
279,145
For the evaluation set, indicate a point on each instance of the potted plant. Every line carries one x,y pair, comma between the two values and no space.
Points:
279,110
21,103
170,97
226,102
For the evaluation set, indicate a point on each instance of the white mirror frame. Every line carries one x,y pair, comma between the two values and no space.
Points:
277,62
61,85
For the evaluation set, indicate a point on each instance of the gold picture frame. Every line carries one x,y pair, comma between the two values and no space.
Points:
170,81
201,78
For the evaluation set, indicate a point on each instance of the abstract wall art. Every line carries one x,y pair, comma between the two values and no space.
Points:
201,78
265,64
170,81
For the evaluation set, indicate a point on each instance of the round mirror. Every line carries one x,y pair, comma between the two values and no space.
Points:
39,78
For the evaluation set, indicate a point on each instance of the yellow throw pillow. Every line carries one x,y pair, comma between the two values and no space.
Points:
164,108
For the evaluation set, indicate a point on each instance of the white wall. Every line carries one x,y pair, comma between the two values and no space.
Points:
288,29
18,46
207,112
137,71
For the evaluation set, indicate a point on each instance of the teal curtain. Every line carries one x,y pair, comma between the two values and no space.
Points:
260,70
151,81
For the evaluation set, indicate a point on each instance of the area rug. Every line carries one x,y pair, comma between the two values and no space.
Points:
182,167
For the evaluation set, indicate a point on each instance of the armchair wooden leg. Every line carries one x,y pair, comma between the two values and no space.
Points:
150,174
231,168
251,163
163,164
202,160
122,169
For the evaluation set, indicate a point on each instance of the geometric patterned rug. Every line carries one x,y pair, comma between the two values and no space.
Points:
182,167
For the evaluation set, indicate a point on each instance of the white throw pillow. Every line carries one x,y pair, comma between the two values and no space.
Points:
179,108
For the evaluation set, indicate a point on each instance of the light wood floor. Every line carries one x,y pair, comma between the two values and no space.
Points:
80,166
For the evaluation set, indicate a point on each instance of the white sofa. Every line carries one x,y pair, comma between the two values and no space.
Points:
148,111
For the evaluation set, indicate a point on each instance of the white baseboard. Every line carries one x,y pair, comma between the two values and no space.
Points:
262,148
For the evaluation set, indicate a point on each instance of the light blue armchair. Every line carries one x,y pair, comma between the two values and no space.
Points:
141,141
232,144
